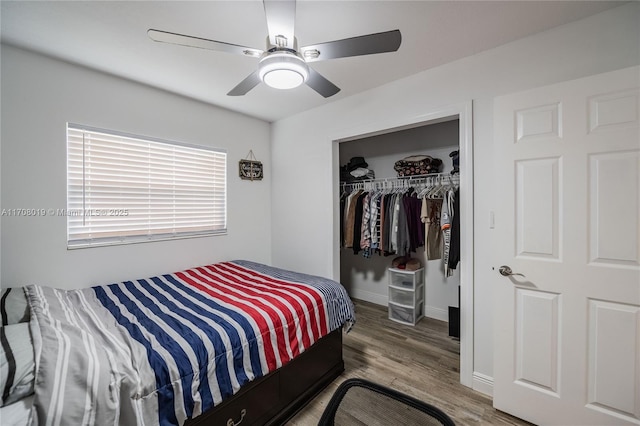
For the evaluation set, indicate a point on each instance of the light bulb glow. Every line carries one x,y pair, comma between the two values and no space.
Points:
283,70
283,79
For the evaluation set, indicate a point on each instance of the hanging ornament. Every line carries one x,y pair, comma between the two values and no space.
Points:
251,168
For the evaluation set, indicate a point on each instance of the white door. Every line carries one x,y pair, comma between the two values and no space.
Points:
567,333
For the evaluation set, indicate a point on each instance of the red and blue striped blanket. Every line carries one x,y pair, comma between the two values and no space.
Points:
165,349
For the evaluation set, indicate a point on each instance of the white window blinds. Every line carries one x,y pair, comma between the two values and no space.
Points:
123,188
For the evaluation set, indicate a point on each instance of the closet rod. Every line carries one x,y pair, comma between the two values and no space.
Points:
417,179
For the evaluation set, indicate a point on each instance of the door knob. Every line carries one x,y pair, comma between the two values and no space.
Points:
507,272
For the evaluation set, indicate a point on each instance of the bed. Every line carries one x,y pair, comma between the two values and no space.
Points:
228,343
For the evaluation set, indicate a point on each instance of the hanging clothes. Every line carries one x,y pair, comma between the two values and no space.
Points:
389,203
382,218
430,216
454,251
415,229
446,219
370,224
365,230
350,217
343,205
400,220
403,243
357,224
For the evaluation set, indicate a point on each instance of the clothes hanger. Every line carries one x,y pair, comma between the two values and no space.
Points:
428,184
435,190
344,190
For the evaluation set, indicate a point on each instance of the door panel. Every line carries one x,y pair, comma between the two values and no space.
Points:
610,243
537,356
613,375
567,331
537,208
617,109
541,122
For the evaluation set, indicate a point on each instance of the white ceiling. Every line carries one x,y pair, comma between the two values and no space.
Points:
111,36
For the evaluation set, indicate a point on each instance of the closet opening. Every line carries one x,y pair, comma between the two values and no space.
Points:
425,160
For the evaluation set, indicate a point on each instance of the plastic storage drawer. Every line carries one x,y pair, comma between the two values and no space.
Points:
403,314
402,297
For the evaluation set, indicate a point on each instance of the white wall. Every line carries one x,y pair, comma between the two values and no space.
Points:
367,278
39,96
303,202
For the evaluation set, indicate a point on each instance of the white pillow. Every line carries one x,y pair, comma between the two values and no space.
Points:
17,363
14,306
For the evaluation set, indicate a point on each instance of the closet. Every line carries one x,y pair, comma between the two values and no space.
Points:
365,273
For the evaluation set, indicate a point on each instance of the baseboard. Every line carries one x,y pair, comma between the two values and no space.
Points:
483,383
383,300
436,313
368,296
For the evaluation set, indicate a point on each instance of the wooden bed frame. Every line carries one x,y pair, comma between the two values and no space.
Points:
278,396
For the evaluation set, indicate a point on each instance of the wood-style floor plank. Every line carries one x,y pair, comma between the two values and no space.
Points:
421,361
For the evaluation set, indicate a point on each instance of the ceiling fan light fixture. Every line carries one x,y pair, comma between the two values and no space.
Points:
283,70
283,79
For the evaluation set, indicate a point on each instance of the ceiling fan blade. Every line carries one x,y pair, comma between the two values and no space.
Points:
245,85
201,43
281,16
320,84
388,41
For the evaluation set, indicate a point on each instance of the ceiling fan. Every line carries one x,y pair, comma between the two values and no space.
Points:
282,64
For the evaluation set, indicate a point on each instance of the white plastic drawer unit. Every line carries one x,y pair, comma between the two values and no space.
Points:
402,278
405,315
406,295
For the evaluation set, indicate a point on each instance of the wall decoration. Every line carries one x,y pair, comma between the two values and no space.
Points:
251,168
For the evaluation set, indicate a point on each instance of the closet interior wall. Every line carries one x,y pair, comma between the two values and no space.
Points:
366,278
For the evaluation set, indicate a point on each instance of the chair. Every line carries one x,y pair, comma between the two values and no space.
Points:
361,402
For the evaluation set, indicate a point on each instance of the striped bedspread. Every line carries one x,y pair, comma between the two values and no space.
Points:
165,349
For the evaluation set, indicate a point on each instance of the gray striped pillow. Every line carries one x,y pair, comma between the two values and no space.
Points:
14,306
17,363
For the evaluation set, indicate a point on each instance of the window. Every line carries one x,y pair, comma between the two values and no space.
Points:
124,188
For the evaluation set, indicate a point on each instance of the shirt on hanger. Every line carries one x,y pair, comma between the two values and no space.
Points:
433,231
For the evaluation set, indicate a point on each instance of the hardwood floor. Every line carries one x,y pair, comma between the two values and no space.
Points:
421,361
